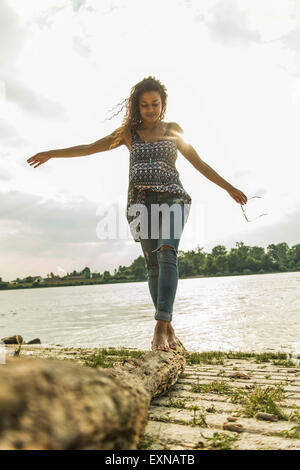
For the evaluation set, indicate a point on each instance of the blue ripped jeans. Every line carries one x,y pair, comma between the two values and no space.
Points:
160,249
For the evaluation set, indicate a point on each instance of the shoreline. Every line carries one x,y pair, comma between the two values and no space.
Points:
90,283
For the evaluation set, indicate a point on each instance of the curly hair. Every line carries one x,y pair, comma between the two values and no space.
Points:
132,115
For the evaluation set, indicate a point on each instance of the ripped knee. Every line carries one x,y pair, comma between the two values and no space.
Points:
164,247
167,254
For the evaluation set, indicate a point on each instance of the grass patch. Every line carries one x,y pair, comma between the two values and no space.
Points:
198,420
179,403
267,357
293,433
102,358
212,357
218,357
145,441
164,419
221,440
99,360
212,387
295,414
284,363
260,399
123,352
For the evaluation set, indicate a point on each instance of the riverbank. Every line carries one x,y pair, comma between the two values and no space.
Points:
123,281
215,402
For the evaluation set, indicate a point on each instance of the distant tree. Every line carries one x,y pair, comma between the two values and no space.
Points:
221,262
106,276
138,268
256,252
294,255
86,272
210,265
278,252
242,251
218,250
233,260
252,263
267,263
186,267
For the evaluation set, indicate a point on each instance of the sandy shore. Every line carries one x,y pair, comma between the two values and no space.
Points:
189,418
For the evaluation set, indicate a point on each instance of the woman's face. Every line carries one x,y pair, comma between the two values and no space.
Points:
150,106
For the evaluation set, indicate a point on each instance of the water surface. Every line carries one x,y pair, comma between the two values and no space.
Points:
247,313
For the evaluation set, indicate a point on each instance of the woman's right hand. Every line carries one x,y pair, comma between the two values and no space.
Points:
38,159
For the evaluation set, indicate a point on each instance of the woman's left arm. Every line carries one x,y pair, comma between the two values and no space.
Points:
192,156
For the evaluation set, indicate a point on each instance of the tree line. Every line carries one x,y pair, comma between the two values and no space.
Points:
242,259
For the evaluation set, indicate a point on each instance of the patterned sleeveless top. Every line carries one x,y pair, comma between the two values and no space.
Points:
152,167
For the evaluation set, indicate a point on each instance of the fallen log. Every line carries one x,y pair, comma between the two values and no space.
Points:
50,404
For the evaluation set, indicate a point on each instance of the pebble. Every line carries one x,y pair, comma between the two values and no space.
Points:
34,341
239,375
234,427
266,417
16,339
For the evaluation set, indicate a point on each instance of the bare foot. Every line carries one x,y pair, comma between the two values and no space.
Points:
160,337
171,336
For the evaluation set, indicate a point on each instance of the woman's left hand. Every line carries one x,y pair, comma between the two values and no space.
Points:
237,195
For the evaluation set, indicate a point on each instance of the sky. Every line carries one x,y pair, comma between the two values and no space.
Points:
232,73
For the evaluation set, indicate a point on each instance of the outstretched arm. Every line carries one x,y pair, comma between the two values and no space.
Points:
108,142
192,156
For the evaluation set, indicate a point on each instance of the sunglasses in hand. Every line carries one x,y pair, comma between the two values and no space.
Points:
243,210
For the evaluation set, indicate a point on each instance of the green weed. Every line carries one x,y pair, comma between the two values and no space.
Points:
145,441
173,403
284,363
295,414
293,433
212,387
102,358
260,399
221,440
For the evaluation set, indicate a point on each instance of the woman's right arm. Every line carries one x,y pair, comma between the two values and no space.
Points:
108,142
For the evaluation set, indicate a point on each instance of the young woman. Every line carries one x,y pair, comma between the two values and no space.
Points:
153,184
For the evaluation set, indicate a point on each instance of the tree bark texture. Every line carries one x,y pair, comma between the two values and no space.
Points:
51,404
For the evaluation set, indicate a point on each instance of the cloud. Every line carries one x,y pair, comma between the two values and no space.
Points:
227,22
5,175
80,47
9,135
291,40
12,36
55,232
31,101
260,234
77,4
239,173
12,39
